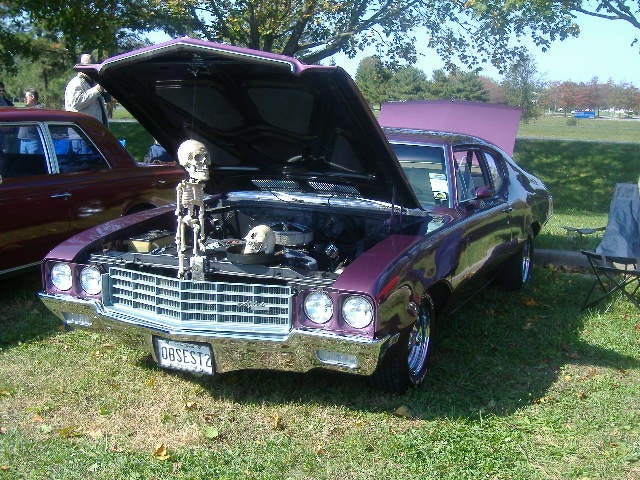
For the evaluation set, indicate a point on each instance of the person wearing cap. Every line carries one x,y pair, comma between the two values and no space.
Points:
83,95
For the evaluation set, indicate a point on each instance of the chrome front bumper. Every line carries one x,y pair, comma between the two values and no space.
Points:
297,351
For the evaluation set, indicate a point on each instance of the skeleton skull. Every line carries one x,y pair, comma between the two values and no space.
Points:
260,239
194,157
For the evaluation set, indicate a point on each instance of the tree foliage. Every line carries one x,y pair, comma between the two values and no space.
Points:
380,84
308,29
522,87
457,85
593,95
372,78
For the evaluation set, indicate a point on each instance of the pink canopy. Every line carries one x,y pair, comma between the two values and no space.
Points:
497,124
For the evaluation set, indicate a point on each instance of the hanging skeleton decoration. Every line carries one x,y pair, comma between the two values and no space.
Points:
194,157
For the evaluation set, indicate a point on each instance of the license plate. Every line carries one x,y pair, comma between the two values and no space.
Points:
188,357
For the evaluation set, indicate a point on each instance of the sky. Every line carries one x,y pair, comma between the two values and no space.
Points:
603,49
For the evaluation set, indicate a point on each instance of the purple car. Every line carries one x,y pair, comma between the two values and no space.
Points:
61,173
308,236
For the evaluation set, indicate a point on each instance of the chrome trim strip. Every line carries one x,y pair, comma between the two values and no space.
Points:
296,351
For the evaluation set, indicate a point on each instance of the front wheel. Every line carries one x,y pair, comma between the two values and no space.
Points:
406,362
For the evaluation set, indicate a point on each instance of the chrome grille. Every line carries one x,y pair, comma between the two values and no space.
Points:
199,304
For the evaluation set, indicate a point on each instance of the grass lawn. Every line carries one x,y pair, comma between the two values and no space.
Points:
523,385
590,130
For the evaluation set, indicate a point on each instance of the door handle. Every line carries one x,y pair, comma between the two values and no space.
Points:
64,195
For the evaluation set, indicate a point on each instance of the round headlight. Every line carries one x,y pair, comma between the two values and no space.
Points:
318,307
91,281
61,276
357,311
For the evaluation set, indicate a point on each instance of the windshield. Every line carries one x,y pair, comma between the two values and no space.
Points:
425,169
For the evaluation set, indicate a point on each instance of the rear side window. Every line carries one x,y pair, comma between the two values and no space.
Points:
21,151
75,153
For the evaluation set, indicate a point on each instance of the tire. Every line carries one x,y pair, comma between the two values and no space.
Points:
517,270
406,362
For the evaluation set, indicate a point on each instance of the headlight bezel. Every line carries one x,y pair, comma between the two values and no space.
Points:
354,315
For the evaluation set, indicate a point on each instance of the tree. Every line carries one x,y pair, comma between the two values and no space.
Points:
372,78
457,85
494,89
103,27
308,29
502,23
522,87
408,83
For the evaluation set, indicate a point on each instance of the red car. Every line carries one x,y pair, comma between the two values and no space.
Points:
62,172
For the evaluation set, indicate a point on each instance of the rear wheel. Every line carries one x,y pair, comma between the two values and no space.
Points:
406,362
517,270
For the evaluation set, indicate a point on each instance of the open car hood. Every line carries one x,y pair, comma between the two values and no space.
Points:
497,124
269,122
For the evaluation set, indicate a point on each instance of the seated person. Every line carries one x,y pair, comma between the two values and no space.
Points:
157,154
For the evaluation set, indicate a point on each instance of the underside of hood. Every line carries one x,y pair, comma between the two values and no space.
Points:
268,121
497,124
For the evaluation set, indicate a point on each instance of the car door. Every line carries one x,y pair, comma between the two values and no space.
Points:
34,216
485,213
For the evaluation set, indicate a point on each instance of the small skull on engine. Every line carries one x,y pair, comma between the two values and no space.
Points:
260,239
194,157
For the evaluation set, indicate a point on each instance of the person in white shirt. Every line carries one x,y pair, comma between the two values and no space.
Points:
83,95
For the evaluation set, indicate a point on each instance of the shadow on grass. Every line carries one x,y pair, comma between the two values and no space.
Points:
499,353
23,317
582,175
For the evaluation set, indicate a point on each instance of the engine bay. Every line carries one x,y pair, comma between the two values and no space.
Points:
289,243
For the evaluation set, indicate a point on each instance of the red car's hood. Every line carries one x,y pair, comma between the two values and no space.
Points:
497,124
269,122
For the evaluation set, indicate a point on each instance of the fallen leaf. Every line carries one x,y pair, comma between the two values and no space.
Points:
161,452
151,382
190,405
208,417
210,433
37,418
320,450
529,302
582,395
69,431
403,411
2,431
4,468
278,423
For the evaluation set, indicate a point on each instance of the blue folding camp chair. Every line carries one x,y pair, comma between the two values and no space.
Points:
616,261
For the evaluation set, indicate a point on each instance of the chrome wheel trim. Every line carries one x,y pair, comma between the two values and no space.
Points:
526,261
419,347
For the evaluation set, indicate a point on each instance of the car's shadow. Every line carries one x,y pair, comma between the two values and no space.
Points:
23,317
497,354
